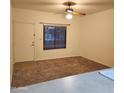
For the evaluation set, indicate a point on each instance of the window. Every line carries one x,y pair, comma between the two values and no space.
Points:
54,37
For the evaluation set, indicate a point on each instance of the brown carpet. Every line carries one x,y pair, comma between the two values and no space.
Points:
27,73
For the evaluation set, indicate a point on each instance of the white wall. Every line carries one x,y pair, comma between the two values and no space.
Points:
97,34
90,36
11,48
73,32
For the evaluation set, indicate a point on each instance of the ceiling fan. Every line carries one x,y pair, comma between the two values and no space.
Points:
69,11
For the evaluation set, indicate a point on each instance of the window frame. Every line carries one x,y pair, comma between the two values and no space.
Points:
65,34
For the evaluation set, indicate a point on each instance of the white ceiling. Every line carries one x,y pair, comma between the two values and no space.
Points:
56,6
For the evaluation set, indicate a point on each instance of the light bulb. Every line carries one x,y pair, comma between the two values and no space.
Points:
69,11
69,16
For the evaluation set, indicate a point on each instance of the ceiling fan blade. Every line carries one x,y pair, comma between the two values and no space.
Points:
77,13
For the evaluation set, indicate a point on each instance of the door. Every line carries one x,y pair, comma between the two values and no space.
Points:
23,41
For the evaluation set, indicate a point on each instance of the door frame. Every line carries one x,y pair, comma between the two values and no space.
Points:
24,22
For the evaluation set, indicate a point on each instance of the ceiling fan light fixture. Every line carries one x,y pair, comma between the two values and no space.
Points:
69,10
69,16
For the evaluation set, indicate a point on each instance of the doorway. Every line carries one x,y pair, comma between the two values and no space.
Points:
24,40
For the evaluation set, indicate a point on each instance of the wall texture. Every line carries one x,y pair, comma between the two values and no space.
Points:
89,36
97,35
